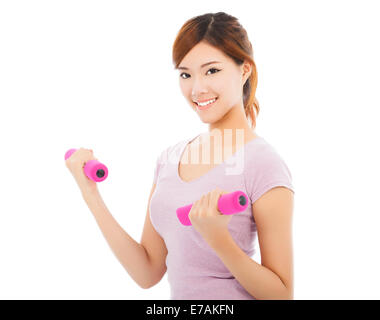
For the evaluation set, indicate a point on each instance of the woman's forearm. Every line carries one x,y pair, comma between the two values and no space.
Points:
259,281
131,254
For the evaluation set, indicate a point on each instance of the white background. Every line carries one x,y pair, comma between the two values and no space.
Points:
99,75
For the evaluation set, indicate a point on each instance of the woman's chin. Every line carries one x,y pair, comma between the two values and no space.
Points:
208,120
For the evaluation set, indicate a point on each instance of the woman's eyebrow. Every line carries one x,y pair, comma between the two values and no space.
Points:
203,65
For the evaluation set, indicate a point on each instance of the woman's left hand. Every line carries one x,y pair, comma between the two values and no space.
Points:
207,219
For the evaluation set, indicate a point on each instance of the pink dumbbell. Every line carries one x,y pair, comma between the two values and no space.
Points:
229,203
93,169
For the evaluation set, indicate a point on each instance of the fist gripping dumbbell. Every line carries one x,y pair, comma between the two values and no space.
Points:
229,203
93,169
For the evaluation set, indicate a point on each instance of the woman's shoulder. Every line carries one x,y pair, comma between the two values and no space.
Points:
265,168
172,150
263,155
261,149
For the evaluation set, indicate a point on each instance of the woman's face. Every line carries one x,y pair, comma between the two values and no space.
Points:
223,80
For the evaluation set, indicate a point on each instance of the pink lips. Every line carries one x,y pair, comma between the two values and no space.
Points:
205,107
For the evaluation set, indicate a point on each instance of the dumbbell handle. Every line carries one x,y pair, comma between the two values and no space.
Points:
229,203
93,169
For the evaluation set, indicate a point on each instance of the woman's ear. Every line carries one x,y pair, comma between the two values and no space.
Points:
246,70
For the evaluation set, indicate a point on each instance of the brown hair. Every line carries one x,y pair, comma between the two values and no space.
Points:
224,32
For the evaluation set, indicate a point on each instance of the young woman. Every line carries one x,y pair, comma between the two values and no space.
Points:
211,259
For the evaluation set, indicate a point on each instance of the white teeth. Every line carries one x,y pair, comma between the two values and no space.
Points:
206,103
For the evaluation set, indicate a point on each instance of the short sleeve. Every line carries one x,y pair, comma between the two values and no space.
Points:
266,170
159,163
156,171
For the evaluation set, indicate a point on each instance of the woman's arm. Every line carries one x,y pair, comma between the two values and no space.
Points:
273,278
144,262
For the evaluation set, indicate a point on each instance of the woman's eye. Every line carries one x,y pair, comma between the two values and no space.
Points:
217,70
213,69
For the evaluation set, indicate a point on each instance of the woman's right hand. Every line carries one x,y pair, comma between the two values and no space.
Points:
75,163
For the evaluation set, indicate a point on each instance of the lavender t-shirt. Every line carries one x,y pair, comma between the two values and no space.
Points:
194,269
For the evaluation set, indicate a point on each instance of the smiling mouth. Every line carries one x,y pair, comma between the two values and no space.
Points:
206,106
